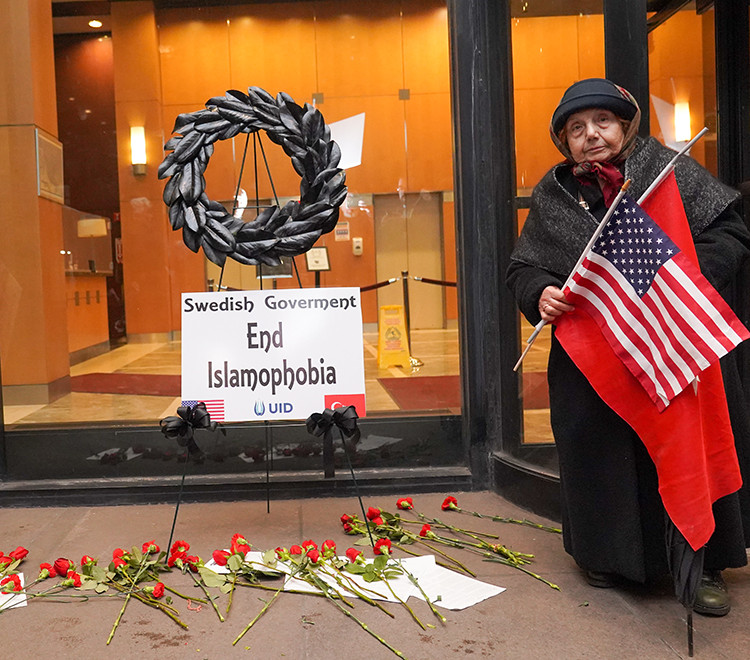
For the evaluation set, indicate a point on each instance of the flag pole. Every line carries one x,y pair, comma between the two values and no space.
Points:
662,175
589,245
670,166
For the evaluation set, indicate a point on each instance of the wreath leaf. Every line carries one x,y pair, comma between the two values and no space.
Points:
306,140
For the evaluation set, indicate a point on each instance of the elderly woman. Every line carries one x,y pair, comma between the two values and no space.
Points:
613,518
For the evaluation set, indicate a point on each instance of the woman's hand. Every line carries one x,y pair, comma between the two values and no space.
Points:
552,303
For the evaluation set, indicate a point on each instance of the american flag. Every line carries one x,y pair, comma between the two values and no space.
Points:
659,314
214,407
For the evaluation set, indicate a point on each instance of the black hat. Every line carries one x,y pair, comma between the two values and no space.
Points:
593,93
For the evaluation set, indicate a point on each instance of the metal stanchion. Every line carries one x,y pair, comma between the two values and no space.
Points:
413,361
407,315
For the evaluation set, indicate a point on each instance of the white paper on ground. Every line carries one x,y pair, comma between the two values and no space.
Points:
8,601
444,587
454,591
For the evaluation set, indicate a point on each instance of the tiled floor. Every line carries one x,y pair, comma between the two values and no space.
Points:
437,350
527,621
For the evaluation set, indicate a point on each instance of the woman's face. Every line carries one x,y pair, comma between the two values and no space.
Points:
594,135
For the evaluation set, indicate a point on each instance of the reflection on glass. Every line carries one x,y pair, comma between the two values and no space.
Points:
682,82
379,73
682,100
551,50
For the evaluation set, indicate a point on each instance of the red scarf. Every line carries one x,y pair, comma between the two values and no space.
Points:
609,178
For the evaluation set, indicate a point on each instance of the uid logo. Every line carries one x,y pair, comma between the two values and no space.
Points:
274,408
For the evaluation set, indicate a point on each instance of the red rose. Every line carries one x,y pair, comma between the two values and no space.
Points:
329,548
149,547
425,529
382,547
377,521
46,570
158,591
349,529
192,562
295,550
178,547
86,560
353,554
119,562
239,545
450,502
62,565
221,557
346,518
119,553
309,544
5,562
405,503
373,512
314,555
177,559
18,553
10,584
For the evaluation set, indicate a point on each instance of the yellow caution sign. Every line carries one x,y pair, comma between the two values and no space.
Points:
393,343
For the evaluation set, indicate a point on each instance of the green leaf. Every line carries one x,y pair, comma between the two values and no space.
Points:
168,600
269,558
87,584
226,587
379,562
234,563
363,541
211,579
355,569
101,588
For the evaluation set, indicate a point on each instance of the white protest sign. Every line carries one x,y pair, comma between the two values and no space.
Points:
272,354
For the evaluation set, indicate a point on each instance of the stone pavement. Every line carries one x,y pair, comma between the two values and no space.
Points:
528,620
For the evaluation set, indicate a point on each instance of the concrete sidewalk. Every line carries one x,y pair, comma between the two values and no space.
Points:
528,620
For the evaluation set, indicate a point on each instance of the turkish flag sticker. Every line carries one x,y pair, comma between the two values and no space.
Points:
334,401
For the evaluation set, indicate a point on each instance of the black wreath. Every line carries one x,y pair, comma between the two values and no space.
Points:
276,232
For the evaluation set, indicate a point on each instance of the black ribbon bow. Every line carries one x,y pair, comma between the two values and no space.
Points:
182,426
323,423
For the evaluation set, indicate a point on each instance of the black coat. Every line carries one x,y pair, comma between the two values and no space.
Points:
613,518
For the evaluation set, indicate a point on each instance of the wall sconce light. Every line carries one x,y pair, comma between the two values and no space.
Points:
682,122
138,149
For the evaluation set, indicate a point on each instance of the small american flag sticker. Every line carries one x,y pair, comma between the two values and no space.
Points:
214,407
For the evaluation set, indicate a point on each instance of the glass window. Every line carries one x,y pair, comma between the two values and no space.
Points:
552,49
103,348
682,82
